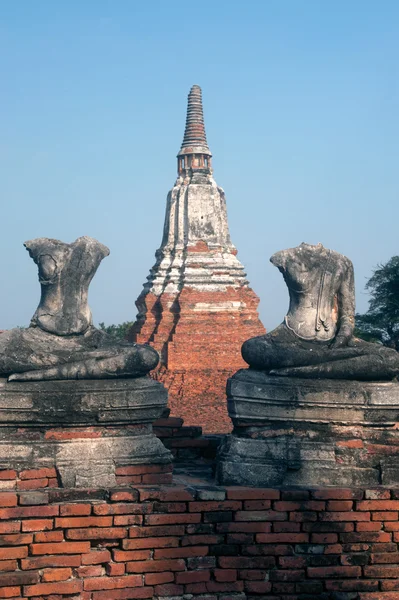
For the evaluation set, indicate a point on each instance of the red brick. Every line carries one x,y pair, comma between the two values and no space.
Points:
338,505
8,565
214,586
154,566
7,474
241,527
97,533
351,585
161,542
38,473
83,522
381,558
41,562
28,511
115,569
157,578
369,526
222,575
344,516
365,536
37,525
384,515
169,589
181,552
16,539
11,592
326,572
61,548
379,596
172,519
8,499
265,515
337,494
292,562
381,571
193,577
9,553
141,469
214,506
56,574
96,557
122,509
247,562
109,583
391,526
323,538
165,530
287,575
378,505
257,504
18,578
49,536
239,493
285,505
121,520
174,494
121,594
64,587
281,527
282,538
253,575
91,571
258,587
125,555
125,496
32,484
10,527
68,510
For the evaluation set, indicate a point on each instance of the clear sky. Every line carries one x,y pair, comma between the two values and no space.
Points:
301,105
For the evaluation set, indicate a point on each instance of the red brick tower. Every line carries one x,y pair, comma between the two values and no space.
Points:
197,308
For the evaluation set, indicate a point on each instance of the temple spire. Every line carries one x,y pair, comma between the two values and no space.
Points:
194,153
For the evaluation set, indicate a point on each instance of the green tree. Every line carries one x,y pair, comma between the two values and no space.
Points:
381,322
119,332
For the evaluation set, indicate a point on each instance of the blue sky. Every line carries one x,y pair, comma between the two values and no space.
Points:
301,108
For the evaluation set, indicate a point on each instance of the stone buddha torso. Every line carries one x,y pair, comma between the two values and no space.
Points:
320,284
65,273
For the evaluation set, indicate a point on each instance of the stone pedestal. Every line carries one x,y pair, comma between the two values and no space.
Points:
94,432
290,431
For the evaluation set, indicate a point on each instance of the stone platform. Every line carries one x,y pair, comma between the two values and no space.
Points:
290,431
92,432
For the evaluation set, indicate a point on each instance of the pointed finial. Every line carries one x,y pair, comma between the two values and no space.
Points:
194,141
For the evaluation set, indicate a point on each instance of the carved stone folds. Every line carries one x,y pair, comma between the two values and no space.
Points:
291,431
87,429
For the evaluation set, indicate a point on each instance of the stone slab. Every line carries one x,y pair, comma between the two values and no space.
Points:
291,431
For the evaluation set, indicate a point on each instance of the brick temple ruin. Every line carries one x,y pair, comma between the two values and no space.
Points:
197,308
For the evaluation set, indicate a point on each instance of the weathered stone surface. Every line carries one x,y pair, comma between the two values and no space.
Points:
291,431
85,429
316,339
196,308
61,342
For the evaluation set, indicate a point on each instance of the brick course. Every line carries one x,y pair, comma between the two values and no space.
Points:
256,547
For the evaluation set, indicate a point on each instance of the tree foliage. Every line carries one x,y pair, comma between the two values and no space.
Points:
381,322
119,332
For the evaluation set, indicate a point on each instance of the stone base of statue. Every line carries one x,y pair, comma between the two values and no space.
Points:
94,432
320,432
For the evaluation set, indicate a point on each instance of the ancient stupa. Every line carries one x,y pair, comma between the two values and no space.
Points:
197,308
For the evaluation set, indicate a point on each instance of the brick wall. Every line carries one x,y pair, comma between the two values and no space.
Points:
200,543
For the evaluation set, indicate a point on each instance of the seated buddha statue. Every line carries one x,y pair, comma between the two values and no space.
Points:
61,341
316,338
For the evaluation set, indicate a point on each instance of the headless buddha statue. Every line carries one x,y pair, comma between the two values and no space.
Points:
61,341
316,338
